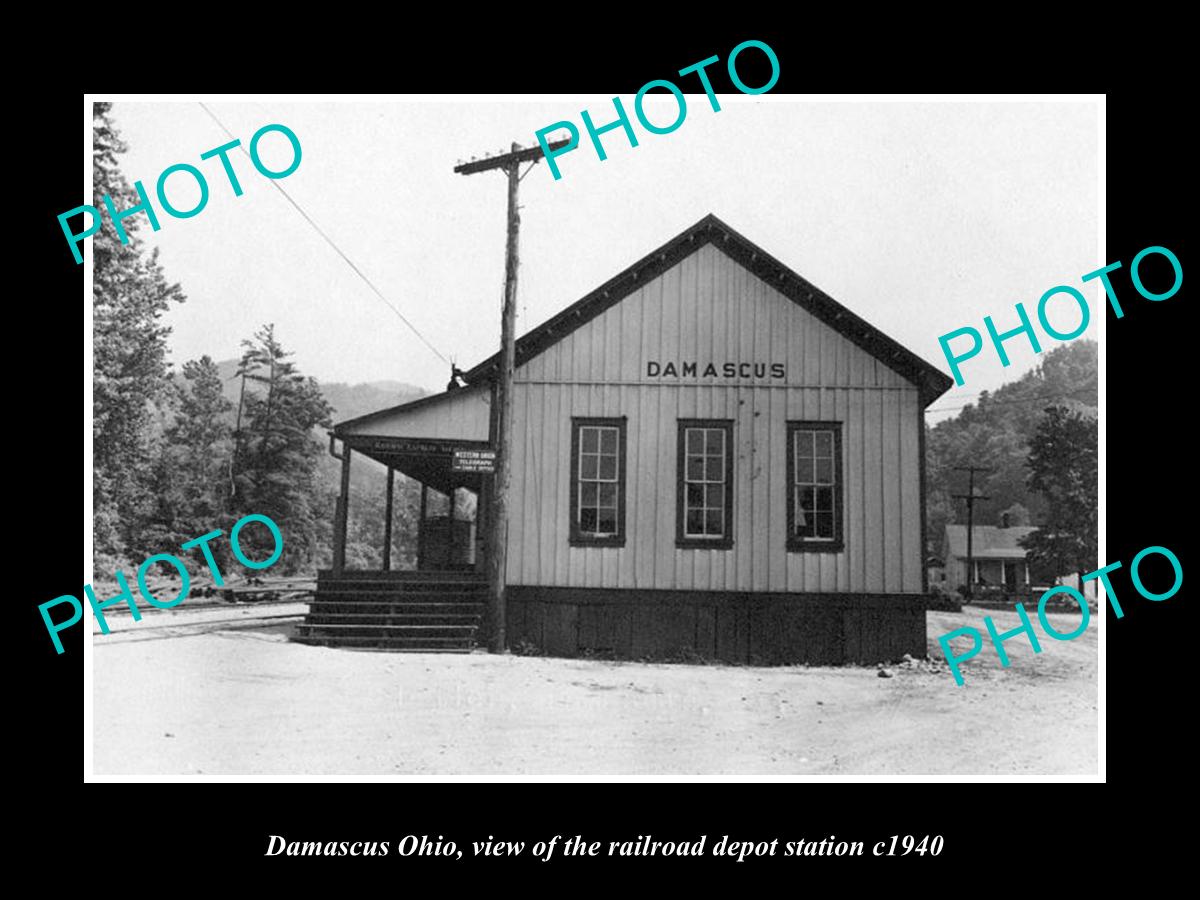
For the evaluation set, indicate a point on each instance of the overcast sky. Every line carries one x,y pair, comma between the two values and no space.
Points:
920,218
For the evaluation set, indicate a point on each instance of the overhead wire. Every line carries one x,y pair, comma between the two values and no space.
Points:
413,328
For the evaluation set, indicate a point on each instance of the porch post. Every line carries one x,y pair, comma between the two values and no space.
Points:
342,515
481,525
451,542
421,526
387,522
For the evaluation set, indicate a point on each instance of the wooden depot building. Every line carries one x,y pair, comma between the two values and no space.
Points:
712,459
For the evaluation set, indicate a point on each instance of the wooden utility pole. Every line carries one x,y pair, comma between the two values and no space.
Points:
498,506
341,517
971,497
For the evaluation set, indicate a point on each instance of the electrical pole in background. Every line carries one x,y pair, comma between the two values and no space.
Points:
971,497
498,504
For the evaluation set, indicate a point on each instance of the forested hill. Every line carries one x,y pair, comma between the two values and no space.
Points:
347,400
178,453
367,481
994,431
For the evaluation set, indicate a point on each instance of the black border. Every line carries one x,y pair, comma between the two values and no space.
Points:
1149,673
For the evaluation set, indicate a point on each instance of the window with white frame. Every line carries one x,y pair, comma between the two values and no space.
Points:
705,507
815,517
597,481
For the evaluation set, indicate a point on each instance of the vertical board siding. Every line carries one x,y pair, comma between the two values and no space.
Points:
707,309
517,488
890,442
459,415
911,423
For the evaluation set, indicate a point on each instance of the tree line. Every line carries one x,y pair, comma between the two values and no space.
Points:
173,458
1038,438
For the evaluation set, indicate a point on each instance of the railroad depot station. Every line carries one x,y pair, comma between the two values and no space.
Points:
711,459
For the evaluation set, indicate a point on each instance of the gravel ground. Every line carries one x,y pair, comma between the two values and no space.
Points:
239,702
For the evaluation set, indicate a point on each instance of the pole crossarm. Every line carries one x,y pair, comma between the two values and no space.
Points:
516,157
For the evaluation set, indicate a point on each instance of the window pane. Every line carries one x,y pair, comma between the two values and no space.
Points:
824,523
806,499
714,522
716,468
824,443
608,468
588,466
587,519
588,494
590,439
608,440
608,521
804,459
695,496
824,499
695,468
803,519
695,522
608,494
804,444
714,496
695,440
804,470
714,442
825,471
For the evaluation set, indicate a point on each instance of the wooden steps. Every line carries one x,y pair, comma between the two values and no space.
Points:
405,612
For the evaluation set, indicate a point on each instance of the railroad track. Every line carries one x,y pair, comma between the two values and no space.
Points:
207,605
149,630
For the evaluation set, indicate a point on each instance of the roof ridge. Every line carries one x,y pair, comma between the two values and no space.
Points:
931,381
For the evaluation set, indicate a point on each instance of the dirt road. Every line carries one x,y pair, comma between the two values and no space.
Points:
250,703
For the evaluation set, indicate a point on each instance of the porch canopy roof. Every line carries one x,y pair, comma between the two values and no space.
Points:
429,461
420,438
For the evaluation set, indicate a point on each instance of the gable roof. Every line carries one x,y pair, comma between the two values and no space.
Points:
988,541
931,381
339,427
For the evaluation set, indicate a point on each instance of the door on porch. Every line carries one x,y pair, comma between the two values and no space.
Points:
448,530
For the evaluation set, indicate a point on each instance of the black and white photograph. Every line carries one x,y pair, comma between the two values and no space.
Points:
519,437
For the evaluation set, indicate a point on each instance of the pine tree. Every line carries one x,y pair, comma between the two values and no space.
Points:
131,293
191,473
276,452
1063,469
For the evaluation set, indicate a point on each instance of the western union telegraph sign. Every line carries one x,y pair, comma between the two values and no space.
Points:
474,461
